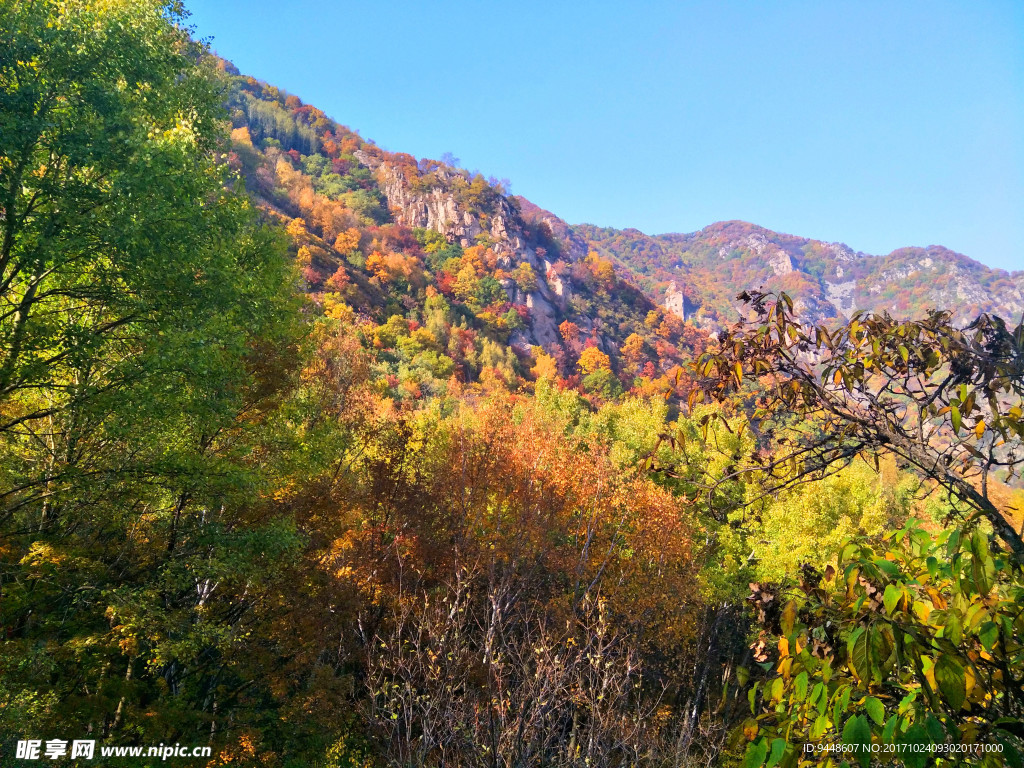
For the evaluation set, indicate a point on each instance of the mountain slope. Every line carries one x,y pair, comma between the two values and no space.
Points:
827,279
454,282
450,280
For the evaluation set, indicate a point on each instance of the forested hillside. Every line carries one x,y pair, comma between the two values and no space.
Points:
454,281
322,455
827,280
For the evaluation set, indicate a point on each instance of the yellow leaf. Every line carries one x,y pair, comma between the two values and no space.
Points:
788,617
929,672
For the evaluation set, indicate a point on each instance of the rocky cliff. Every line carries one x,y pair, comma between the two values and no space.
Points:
442,199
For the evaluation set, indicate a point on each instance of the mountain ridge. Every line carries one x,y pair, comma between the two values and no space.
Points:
827,279
510,289
449,281
700,272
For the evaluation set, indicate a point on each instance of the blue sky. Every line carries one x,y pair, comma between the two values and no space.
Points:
879,124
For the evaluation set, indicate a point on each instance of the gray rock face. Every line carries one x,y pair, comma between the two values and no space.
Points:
434,209
438,208
840,296
543,321
675,302
780,263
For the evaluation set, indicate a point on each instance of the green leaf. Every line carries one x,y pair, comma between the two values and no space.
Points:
934,729
953,544
951,680
800,686
907,702
842,701
859,647
988,634
778,747
955,414
819,727
890,729
816,692
887,567
742,675
1010,753
983,569
858,732
915,736
891,598
756,753
953,630
875,709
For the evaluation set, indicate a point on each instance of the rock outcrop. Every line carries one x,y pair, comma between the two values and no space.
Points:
503,226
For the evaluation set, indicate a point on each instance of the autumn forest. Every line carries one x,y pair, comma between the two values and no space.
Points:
323,455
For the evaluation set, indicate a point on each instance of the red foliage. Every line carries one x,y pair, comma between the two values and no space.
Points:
397,237
312,276
338,280
446,283
572,382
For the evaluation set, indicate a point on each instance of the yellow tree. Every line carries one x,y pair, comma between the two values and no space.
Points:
593,360
633,350
546,366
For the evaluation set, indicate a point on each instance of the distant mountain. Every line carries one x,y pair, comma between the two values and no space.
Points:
827,280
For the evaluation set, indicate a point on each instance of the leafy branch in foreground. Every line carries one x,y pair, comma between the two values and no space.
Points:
947,402
911,652
908,651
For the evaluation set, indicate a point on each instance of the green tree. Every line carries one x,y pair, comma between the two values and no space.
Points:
945,401
144,341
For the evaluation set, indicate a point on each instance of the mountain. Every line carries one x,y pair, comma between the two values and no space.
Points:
457,282
827,280
317,454
453,281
